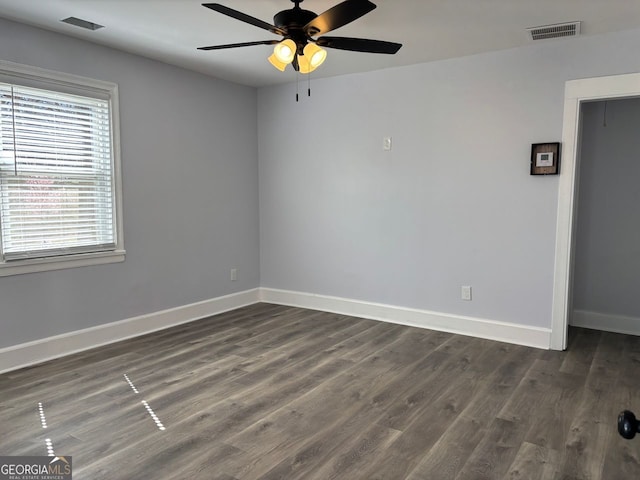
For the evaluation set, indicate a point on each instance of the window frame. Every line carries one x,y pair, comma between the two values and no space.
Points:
26,75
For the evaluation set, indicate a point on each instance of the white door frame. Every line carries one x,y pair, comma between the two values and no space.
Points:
576,92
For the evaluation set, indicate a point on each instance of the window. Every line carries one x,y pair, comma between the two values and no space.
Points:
59,171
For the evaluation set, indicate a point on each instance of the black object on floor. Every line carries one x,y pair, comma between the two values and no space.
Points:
628,425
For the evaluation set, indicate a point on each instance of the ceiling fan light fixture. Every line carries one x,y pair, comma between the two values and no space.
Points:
303,63
298,27
277,63
315,55
285,51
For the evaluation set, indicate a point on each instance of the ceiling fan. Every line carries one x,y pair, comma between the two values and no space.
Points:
298,27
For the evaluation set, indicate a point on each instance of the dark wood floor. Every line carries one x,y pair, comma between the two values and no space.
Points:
272,392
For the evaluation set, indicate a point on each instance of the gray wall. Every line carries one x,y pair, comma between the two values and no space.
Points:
452,204
190,174
607,262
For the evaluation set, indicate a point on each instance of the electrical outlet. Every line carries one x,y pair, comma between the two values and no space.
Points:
234,274
386,144
465,292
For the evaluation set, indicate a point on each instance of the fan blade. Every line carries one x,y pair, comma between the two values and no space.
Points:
359,44
236,45
243,17
337,16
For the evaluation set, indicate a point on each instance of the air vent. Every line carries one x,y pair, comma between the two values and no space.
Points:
78,22
559,30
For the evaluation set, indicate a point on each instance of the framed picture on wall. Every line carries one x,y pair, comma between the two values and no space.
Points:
545,158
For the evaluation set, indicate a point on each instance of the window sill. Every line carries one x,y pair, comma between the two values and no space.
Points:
34,265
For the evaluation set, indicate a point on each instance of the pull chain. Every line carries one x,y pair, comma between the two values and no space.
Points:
298,85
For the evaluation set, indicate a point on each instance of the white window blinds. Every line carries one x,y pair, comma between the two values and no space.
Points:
56,174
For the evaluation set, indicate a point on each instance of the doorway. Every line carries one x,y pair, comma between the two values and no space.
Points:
607,238
577,92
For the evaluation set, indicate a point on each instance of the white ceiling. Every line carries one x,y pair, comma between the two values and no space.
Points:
170,30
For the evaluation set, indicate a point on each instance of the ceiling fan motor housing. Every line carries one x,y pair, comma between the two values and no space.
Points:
293,21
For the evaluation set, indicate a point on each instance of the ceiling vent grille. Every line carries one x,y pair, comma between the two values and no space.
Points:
78,22
559,30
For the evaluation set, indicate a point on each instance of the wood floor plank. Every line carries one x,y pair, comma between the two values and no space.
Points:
462,442
623,460
590,435
353,455
496,451
275,392
533,462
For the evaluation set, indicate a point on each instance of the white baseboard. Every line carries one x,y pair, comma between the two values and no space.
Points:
31,353
26,354
606,322
477,327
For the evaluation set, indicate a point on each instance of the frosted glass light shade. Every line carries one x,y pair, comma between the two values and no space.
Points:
277,63
303,63
312,58
285,51
315,54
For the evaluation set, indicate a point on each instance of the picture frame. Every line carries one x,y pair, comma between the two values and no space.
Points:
545,158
